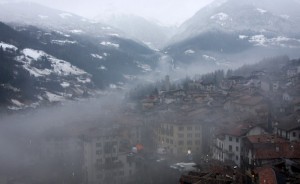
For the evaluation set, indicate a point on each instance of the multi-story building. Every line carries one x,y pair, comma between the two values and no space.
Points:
179,138
228,143
106,157
288,128
227,148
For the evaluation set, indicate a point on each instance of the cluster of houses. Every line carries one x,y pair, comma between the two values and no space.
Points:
250,122
248,126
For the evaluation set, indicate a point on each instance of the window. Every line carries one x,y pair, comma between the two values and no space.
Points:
99,152
237,148
237,140
197,142
121,173
237,158
171,141
197,128
189,142
230,148
197,135
181,128
98,144
230,138
189,128
189,135
180,135
99,161
294,134
180,142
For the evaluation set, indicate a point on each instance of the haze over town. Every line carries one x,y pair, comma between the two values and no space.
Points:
143,92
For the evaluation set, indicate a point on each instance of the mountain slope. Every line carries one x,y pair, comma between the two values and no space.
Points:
266,16
139,28
228,30
26,13
43,66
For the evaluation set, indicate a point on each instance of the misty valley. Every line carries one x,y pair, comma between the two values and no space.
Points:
122,98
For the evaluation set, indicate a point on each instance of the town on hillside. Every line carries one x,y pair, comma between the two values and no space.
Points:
235,126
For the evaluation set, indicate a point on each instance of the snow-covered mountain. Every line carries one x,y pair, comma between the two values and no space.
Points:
26,13
230,30
150,32
262,16
41,66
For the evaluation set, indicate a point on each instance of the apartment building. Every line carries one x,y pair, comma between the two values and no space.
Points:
228,143
106,157
179,137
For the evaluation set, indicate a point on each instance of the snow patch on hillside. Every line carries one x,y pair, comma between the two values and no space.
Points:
110,44
220,16
33,54
65,84
189,52
242,37
63,34
59,67
207,57
63,42
258,40
281,41
84,80
102,67
6,46
76,31
97,56
113,34
51,97
262,11
17,102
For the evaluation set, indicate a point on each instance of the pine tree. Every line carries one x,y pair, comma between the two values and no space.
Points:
1,52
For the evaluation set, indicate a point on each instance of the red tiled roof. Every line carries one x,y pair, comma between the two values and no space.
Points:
236,130
289,150
266,138
267,176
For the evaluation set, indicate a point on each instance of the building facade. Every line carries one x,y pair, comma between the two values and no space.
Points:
179,138
106,157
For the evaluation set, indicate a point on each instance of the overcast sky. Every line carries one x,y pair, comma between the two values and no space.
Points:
166,11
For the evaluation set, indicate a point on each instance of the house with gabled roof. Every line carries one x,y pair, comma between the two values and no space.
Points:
288,127
228,141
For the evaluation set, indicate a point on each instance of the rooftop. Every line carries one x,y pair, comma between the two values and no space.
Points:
289,150
267,175
266,138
